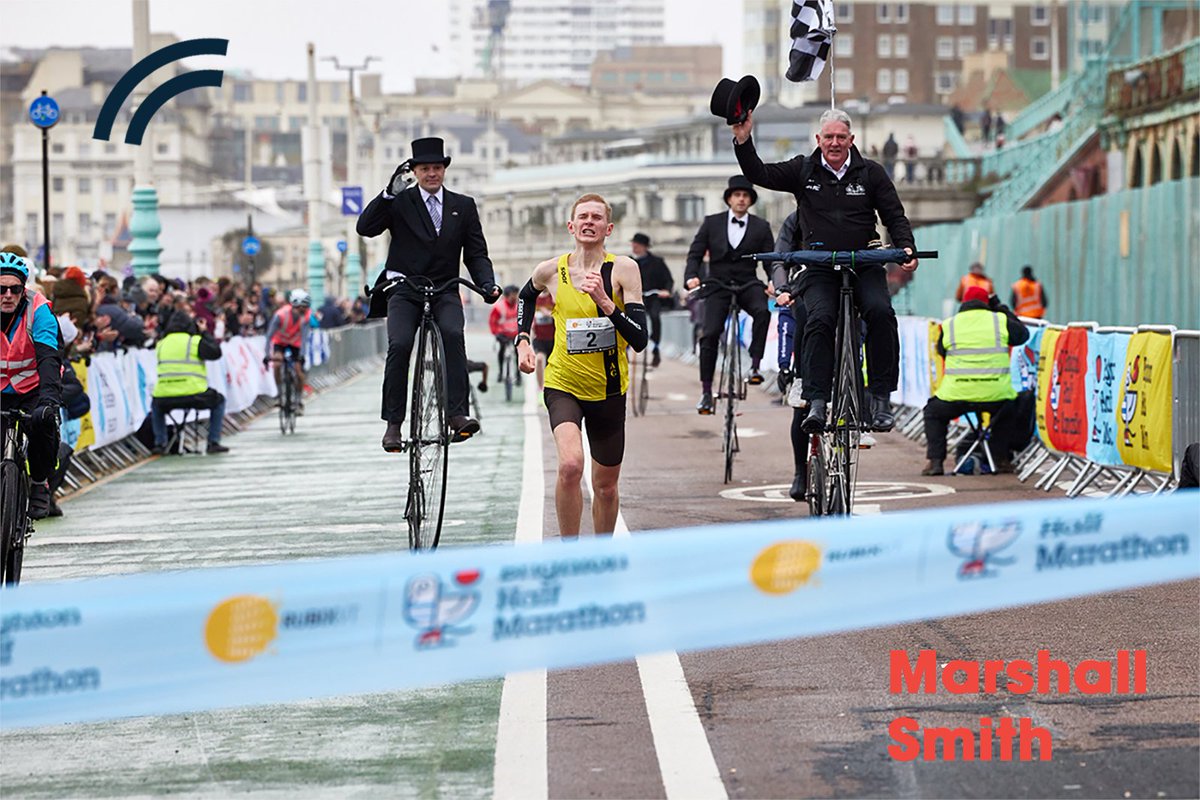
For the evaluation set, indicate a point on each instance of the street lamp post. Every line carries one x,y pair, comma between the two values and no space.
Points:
144,226
352,276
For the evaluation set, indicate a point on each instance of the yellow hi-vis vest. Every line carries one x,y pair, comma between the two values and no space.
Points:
977,358
180,370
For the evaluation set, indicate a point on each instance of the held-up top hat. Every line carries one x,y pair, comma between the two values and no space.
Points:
641,238
743,183
734,101
430,150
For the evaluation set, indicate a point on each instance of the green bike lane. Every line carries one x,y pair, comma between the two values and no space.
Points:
327,490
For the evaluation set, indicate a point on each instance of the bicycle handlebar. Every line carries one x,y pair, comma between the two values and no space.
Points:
730,286
844,258
424,285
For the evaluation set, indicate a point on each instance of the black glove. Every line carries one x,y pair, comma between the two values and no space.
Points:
266,360
491,292
45,414
994,303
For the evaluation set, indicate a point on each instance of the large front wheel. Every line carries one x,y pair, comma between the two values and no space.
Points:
428,443
14,521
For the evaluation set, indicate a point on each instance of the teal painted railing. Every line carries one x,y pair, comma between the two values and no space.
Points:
954,138
1122,258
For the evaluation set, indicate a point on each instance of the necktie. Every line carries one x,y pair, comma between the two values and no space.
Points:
435,212
740,222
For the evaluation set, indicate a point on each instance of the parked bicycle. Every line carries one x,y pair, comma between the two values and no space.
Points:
15,524
833,455
730,386
429,431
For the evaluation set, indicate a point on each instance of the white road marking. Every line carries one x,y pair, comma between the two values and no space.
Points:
685,759
521,771
676,397
876,491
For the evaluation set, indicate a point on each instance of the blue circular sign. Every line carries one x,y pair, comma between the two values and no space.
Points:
251,245
341,245
43,112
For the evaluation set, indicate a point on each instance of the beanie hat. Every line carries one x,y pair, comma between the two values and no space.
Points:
975,293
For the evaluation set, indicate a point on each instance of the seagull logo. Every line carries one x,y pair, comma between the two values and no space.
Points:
436,609
977,543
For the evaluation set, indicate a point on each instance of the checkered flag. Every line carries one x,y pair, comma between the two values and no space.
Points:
813,30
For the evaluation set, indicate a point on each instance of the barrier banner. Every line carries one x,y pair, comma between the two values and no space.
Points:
111,417
140,369
1106,356
183,641
87,434
243,368
914,388
1066,418
1023,362
1145,403
1044,369
937,362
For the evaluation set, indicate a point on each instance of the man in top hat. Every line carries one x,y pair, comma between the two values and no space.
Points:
657,285
726,237
433,231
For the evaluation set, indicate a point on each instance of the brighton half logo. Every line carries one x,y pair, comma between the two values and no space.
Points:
978,543
1130,400
785,566
436,609
241,627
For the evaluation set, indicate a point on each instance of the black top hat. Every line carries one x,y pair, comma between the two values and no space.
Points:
430,150
743,183
734,101
642,239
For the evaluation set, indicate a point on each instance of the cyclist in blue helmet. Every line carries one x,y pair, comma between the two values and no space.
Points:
30,372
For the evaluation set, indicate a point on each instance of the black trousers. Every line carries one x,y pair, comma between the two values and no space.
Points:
43,438
752,300
654,305
403,317
938,414
821,288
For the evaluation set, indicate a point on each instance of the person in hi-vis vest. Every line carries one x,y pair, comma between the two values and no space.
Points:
1028,295
183,379
975,343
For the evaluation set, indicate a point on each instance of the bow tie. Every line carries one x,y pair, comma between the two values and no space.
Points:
737,221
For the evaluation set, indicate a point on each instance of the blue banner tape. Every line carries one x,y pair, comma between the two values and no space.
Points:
183,641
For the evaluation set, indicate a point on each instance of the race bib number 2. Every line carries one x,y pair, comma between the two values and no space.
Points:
590,335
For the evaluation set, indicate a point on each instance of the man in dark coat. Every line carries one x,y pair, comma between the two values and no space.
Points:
433,231
726,237
657,285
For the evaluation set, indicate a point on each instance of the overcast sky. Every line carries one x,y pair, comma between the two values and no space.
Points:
267,37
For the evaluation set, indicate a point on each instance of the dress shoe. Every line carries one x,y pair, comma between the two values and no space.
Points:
39,500
393,440
705,406
933,468
815,421
655,359
755,377
216,447
799,490
882,418
463,428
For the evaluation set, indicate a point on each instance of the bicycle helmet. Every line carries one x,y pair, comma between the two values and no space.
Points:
299,297
13,264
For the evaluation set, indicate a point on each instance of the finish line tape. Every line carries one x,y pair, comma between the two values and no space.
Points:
186,641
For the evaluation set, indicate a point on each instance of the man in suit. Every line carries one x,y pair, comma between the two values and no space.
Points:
726,237
433,231
657,285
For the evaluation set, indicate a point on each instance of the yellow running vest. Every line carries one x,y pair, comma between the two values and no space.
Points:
588,360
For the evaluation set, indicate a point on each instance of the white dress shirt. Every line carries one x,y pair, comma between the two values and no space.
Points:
838,173
735,231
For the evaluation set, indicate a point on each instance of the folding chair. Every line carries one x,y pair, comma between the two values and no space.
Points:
183,418
980,432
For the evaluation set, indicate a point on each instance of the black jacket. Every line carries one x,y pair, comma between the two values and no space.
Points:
655,273
838,214
1018,334
208,349
417,248
726,263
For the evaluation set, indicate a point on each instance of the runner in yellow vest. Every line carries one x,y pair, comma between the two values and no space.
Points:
183,379
598,312
975,342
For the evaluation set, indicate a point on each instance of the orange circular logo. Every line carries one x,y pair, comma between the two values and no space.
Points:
240,628
783,567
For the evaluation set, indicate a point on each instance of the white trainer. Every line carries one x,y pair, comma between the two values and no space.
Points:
795,398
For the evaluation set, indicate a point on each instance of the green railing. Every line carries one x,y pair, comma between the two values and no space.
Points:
954,138
1041,110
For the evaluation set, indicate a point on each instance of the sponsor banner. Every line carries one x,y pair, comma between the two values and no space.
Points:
915,368
1106,360
87,434
937,362
1066,416
112,418
1145,402
1044,372
183,641
1023,362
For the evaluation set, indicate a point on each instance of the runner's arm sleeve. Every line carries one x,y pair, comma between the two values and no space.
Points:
631,324
526,301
